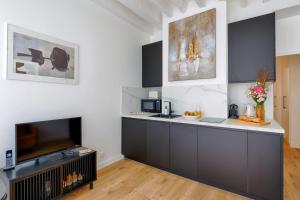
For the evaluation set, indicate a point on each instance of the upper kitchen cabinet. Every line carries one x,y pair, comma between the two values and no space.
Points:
251,47
152,65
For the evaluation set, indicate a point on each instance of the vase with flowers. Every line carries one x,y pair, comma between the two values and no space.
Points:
259,93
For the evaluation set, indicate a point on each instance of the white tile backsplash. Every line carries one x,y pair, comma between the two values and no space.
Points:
238,96
212,99
131,99
132,96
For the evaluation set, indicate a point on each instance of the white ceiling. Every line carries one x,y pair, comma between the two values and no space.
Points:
146,15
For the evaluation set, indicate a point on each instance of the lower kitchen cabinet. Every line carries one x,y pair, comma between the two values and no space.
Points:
183,150
134,140
249,163
265,165
158,144
222,157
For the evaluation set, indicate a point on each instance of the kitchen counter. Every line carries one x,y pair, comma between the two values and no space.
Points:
274,127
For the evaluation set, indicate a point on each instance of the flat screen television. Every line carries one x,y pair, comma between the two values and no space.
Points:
37,139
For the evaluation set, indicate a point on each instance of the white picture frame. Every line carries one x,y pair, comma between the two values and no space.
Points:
57,60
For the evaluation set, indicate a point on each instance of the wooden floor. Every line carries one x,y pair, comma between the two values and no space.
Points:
130,180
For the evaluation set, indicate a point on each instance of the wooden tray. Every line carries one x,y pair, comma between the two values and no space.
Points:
242,122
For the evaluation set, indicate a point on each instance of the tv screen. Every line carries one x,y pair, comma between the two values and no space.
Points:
36,139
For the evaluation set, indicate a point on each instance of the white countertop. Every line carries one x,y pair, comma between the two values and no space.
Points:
274,127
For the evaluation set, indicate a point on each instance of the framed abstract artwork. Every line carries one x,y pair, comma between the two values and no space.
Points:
192,47
33,56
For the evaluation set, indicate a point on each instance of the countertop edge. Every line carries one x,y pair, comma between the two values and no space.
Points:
273,128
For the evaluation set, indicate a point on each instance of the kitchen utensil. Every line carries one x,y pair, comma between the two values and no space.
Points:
166,108
233,111
244,120
250,110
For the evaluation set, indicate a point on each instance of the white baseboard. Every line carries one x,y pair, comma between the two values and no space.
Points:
109,161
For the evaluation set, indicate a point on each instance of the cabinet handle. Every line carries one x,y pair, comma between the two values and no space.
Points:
284,102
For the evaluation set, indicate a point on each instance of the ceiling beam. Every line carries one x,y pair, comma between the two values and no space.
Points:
180,4
145,9
124,13
164,7
201,3
244,3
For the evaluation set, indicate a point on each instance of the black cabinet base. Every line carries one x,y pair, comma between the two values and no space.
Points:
51,179
243,162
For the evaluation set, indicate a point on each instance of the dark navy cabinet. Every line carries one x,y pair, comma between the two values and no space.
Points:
134,139
251,47
158,144
265,165
222,157
247,163
152,64
183,153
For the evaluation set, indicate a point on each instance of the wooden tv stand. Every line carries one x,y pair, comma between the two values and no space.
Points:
50,179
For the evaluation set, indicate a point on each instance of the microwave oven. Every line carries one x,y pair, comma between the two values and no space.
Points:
151,105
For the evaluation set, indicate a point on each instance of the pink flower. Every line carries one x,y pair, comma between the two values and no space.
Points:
258,89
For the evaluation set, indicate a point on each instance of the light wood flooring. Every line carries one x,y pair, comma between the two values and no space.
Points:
131,180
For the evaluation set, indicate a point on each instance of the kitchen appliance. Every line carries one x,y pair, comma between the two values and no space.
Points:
250,110
151,105
36,139
233,111
166,116
212,120
9,160
153,94
166,108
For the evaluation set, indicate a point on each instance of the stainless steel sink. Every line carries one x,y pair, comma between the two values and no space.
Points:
166,116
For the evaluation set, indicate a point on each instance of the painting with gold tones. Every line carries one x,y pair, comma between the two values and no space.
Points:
192,47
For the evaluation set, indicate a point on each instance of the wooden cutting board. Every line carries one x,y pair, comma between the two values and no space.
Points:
242,122
251,121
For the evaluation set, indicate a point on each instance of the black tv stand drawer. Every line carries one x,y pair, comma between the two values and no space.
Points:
51,180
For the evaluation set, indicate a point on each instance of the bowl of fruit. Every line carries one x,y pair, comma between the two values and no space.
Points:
195,115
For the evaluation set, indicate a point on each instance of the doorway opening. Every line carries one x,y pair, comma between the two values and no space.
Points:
287,97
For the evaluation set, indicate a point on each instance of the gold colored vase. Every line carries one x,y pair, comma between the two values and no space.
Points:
260,112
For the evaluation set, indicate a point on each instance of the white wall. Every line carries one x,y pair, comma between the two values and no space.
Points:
255,8
288,31
212,99
110,56
221,43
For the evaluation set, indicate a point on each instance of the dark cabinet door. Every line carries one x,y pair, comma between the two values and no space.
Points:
265,165
134,139
222,157
251,47
158,144
152,64
183,154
